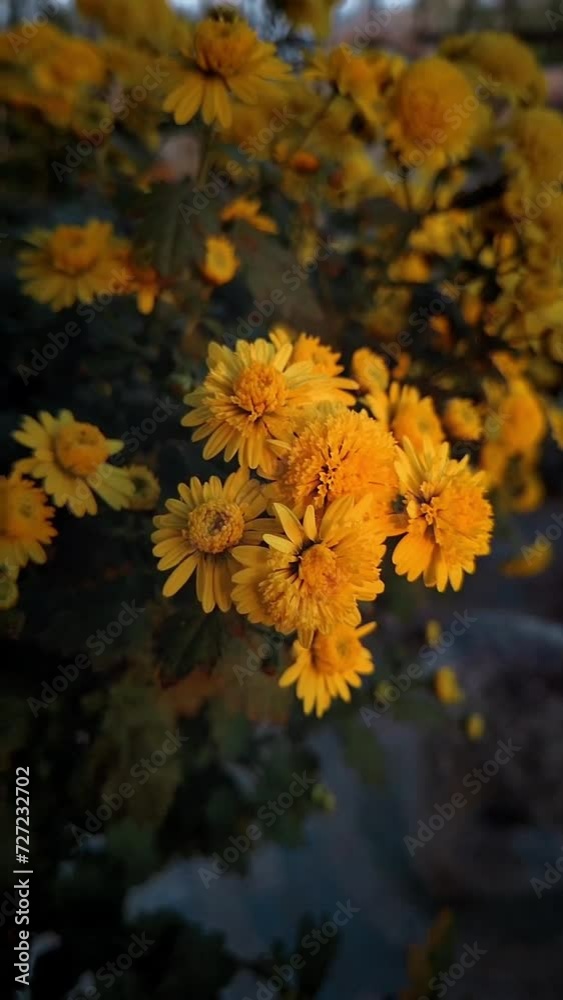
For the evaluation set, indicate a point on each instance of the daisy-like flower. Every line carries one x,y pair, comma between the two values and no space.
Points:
226,61
424,127
333,664
362,78
71,264
504,60
25,523
251,396
71,459
248,210
146,486
406,414
310,576
336,453
201,530
324,360
449,519
220,263
462,419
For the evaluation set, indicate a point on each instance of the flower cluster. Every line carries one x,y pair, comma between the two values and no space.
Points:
296,537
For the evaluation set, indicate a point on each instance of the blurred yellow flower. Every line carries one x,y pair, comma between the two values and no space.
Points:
447,686
220,263
310,577
71,459
435,115
201,530
406,414
475,726
146,485
449,519
226,61
533,560
462,420
9,590
370,370
504,60
71,263
334,663
25,526
248,210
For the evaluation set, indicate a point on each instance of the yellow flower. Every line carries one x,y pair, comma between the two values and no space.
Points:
504,59
226,61
425,128
71,263
447,686
201,530
141,280
310,577
337,453
221,262
250,397
315,14
449,520
370,370
248,210
462,419
25,523
475,726
534,560
146,485
325,361
406,414
71,459
333,664
362,78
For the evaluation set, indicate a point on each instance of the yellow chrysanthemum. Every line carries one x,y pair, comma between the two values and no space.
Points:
462,419
220,263
449,519
248,210
146,486
151,23
506,61
362,78
337,453
447,687
71,264
370,370
25,523
325,361
226,61
310,576
250,397
201,530
71,459
334,663
403,411
425,128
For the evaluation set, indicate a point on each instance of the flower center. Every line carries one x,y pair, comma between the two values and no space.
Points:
260,389
215,526
20,511
80,448
71,251
223,48
318,569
